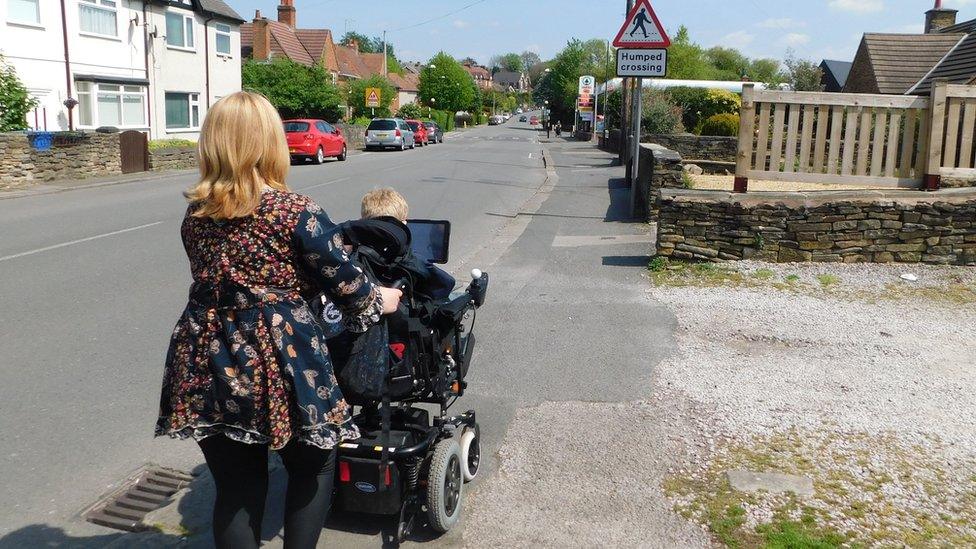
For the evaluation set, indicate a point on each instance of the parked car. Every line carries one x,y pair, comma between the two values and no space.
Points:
419,132
523,118
435,133
534,121
496,120
519,110
389,133
315,139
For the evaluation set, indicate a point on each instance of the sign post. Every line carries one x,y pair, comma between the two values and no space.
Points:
373,98
642,53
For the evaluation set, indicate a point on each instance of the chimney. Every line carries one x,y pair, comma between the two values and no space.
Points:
261,48
354,44
939,18
286,13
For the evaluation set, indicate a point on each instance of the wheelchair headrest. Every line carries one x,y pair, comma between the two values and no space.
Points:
387,236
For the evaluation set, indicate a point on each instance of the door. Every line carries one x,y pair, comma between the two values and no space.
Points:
332,145
134,151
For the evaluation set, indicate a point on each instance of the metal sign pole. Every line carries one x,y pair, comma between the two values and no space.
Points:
635,152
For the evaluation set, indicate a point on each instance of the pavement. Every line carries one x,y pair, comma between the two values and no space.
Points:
568,341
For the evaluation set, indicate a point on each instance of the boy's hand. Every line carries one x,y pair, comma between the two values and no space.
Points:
391,299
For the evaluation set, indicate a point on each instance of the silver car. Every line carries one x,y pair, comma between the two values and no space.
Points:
389,133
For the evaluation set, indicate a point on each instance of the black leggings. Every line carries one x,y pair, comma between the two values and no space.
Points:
240,473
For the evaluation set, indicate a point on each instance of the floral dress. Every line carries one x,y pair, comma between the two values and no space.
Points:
247,359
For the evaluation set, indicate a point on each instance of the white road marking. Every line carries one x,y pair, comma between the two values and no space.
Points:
576,241
530,155
317,185
79,241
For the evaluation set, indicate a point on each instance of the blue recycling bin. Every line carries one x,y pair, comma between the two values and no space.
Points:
41,141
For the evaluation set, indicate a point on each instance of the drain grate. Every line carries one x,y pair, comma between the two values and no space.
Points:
148,489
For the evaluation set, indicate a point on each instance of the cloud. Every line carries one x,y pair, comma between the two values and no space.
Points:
738,39
781,23
794,39
459,24
857,6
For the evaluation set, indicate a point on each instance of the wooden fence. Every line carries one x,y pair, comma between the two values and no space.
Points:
876,140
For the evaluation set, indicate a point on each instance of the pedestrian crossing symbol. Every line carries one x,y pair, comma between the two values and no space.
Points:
373,97
642,29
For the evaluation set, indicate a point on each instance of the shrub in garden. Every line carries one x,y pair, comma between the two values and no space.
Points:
411,111
700,104
724,124
659,113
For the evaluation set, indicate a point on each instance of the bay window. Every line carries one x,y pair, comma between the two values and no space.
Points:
99,17
179,30
102,104
182,111
222,41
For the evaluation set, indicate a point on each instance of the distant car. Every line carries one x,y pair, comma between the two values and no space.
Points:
534,121
389,133
419,132
496,120
519,110
523,118
434,132
314,139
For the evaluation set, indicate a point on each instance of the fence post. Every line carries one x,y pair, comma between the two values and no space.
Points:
747,131
937,110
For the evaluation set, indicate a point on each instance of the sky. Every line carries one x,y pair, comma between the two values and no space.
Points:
814,29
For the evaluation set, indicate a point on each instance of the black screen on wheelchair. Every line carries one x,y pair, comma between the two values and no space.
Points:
430,240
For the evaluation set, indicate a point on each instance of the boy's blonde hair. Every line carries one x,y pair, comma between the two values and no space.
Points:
242,148
385,202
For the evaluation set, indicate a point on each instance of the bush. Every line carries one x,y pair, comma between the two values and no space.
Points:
725,124
700,104
15,100
356,96
411,110
360,121
157,144
295,90
659,113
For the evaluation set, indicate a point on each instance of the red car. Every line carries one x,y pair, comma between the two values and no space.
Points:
534,120
420,135
315,139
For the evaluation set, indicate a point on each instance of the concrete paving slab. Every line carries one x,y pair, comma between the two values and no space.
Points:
774,483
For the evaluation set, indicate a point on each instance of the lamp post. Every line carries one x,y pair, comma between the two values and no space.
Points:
545,117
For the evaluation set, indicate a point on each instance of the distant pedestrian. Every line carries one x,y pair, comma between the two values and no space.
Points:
559,128
247,368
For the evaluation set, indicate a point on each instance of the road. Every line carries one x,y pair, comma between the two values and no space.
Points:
94,279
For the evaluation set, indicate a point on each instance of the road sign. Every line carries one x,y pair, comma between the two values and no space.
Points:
585,102
373,97
642,63
586,85
642,29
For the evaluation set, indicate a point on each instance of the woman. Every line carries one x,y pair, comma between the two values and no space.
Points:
247,368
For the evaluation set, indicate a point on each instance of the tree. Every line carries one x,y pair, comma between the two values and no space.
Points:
686,59
802,74
15,101
295,90
596,62
729,63
444,84
560,85
356,96
766,71
365,42
511,62
529,59
469,61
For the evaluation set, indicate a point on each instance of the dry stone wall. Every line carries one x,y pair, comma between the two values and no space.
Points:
175,158
849,227
73,156
698,147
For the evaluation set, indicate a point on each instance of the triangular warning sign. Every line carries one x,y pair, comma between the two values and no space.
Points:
372,96
642,29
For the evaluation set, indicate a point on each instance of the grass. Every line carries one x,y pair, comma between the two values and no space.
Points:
157,144
764,274
828,280
685,273
687,181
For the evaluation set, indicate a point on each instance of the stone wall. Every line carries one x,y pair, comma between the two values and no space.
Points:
355,136
698,147
74,155
173,158
847,226
658,168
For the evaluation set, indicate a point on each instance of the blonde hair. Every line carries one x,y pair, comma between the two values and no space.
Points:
385,202
242,148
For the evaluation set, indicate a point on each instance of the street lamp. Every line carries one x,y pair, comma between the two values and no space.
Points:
430,107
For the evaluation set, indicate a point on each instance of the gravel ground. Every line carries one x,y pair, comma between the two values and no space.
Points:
863,376
724,183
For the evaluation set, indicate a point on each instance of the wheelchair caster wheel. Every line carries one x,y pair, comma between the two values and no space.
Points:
470,453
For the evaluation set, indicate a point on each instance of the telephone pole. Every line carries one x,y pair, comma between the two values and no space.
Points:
625,97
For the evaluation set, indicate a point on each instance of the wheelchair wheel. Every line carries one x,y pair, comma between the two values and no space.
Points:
445,486
470,453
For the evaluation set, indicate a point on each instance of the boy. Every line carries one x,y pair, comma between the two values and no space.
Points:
387,203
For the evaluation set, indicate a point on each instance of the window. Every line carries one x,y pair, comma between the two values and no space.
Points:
116,105
98,17
179,30
296,127
182,111
24,11
223,38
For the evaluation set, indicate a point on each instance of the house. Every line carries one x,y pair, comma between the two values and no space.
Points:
910,63
194,59
511,81
263,39
153,65
834,74
482,76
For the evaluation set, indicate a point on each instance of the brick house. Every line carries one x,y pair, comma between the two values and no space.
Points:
482,76
512,81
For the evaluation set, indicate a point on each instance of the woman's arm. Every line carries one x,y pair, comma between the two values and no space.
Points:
318,242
